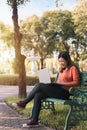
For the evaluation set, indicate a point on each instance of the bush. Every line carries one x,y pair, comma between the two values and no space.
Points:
13,79
8,79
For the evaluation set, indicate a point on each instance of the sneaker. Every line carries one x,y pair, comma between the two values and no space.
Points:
31,123
19,104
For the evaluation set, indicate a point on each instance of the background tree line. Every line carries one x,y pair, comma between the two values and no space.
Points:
54,30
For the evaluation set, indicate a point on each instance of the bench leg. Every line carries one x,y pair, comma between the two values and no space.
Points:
48,105
67,122
75,114
53,107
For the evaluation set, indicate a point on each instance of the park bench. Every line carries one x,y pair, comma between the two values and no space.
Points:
77,103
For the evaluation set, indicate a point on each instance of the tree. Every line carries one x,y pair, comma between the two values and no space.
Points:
44,33
7,34
79,16
34,37
19,58
32,30
59,28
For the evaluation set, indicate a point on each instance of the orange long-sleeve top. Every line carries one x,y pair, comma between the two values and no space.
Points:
70,77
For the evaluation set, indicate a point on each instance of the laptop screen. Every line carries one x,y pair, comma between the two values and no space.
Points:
44,76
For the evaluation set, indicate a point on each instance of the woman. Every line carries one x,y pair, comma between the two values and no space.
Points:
68,76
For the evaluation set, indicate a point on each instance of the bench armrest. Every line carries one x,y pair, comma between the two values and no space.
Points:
79,95
76,91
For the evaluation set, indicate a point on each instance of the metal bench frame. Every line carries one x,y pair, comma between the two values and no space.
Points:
77,103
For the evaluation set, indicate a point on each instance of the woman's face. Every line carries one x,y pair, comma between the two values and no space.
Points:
62,62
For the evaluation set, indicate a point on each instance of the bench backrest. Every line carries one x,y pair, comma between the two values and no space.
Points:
83,78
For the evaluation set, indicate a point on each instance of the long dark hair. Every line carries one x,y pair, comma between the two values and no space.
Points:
65,55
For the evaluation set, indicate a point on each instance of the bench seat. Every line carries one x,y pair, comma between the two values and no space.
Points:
57,100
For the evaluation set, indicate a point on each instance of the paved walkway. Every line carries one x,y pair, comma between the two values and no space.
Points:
9,118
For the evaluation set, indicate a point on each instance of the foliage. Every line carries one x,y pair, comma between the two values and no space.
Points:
8,79
80,17
11,79
51,32
17,35
6,34
18,2
59,27
48,33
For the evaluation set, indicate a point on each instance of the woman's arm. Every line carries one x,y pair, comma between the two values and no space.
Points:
75,77
69,77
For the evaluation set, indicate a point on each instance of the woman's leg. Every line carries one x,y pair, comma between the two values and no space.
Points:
45,91
37,105
40,87
52,90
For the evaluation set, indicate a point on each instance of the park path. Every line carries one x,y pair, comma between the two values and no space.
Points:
9,118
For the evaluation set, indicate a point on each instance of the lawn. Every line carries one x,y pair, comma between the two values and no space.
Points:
56,121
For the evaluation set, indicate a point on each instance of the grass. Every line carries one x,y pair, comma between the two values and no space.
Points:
47,117
55,121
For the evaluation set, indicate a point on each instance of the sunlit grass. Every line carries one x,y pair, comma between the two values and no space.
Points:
56,121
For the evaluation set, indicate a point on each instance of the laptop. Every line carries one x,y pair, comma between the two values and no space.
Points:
44,75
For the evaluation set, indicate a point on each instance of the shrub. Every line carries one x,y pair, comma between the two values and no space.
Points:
13,79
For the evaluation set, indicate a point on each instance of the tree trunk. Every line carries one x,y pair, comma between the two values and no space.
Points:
41,60
20,59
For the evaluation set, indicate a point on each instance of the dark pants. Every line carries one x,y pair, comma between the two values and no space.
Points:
42,91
